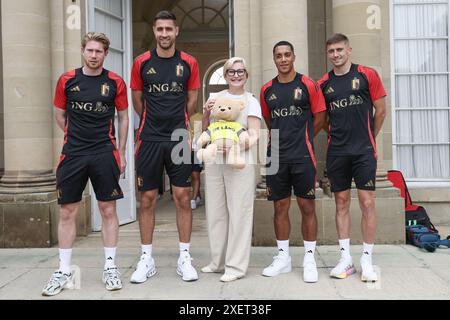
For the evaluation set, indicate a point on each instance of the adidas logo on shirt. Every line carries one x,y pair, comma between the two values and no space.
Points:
311,192
151,71
329,90
115,193
369,184
272,97
75,89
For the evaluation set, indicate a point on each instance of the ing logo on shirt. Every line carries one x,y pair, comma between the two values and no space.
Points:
180,70
292,111
104,90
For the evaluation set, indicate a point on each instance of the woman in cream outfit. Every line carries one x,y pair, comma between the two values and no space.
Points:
229,193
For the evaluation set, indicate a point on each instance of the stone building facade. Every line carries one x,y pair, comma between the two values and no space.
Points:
40,39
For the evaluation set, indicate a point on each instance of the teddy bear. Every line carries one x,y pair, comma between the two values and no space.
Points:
225,132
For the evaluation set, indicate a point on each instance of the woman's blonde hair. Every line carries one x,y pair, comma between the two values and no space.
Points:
229,63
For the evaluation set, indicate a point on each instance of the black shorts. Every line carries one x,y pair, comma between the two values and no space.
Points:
197,165
300,176
362,168
73,172
153,156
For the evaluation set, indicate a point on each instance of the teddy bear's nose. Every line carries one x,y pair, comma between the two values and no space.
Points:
222,109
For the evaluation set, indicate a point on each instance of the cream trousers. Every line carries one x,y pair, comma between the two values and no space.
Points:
229,196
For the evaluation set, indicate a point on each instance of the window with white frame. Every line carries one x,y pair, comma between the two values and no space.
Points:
420,75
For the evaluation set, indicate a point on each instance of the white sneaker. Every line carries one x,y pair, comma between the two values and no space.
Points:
207,269
193,204
58,281
144,269
228,277
367,272
310,274
343,269
111,279
185,269
198,201
281,264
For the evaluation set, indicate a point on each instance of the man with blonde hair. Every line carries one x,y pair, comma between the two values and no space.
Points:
85,103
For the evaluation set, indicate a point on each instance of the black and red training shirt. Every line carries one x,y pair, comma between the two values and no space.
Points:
164,83
291,107
349,99
90,103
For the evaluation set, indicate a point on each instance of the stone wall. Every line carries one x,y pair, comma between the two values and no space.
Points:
390,219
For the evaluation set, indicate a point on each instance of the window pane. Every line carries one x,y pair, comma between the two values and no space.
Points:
113,6
217,77
421,91
421,20
422,126
421,56
114,62
426,162
112,27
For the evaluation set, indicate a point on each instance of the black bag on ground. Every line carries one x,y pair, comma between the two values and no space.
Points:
419,216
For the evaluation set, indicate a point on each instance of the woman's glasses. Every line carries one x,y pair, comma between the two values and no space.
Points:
239,72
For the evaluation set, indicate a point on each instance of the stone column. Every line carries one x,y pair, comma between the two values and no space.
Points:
2,150
286,21
257,31
366,23
27,97
58,66
27,189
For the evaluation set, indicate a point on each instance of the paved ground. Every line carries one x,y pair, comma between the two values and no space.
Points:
405,272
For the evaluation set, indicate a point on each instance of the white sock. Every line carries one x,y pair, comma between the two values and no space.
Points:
283,247
344,246
184,248
110,257
146,249
367,251
310,248
65,256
